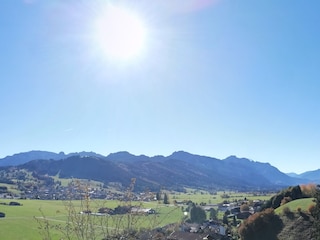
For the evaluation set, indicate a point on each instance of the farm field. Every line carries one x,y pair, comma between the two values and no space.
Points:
20,222
199,196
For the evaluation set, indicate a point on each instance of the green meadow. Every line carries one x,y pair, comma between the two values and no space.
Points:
201,196
302,203
20,222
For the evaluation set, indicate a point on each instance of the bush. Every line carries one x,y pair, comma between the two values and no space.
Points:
288,213
285,200
311,209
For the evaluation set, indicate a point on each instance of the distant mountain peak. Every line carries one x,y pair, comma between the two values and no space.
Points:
24,157
180,153
120,154
232,167
234,157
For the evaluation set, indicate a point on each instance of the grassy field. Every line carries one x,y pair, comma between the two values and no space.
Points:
20,222
198,196
303,203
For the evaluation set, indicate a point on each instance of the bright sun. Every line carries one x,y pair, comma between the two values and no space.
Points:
119,33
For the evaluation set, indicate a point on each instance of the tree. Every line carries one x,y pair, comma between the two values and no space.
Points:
316,213
234,220
158,196
308,190
213,213
263,225
291,193
244,208
225,218
197,215
165,199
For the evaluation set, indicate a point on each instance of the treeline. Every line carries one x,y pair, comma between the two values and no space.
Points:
289,194
6,180
3,189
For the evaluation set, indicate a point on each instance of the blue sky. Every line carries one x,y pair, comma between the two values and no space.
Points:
214,78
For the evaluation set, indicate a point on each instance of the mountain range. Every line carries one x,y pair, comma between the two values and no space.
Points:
180,169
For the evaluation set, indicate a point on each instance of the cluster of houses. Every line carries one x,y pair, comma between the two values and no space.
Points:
121,210
72,191
208,230
214,229
234,208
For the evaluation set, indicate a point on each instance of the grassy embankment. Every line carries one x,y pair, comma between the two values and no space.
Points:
303,204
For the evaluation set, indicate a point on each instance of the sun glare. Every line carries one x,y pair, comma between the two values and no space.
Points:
119,33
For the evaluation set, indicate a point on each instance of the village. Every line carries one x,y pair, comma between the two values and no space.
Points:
213,228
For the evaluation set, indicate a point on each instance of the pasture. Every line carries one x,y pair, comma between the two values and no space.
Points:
201,196
20,221
302,203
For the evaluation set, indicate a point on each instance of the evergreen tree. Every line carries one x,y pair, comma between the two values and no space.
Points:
165,199
158,196
234,220
225,219
213,213
197,215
